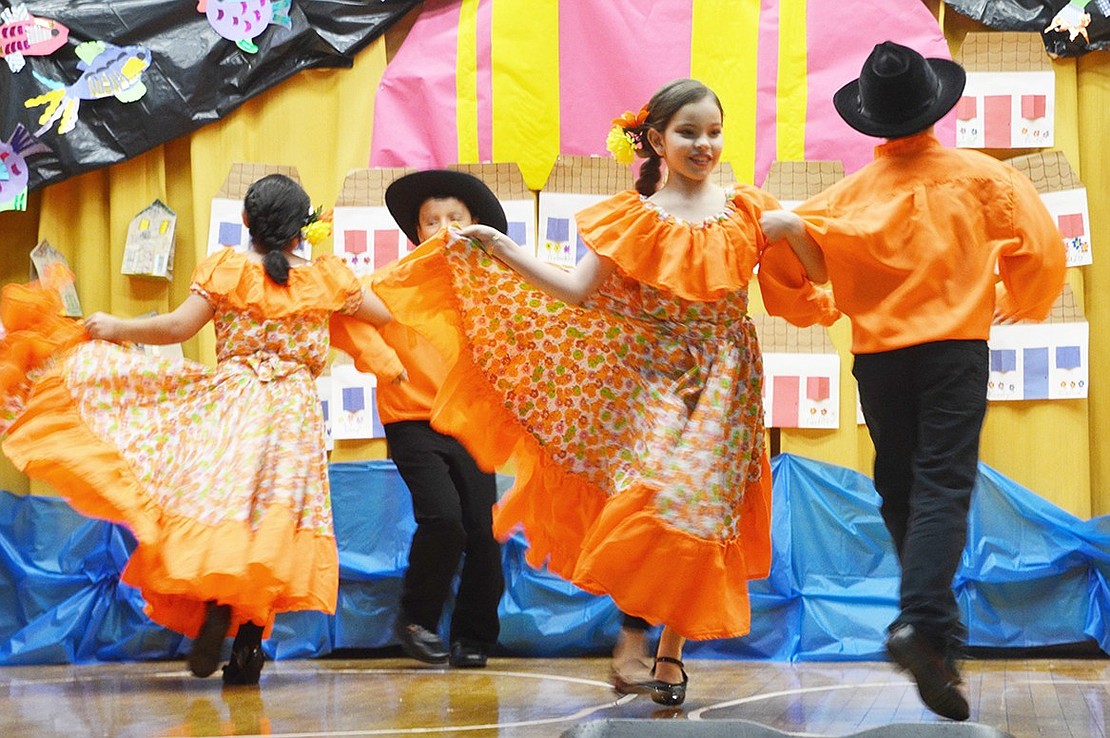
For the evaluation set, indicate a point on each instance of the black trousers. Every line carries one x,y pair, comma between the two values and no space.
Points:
924,407
452,501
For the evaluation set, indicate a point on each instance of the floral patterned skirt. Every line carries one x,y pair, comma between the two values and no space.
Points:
220,474
637,443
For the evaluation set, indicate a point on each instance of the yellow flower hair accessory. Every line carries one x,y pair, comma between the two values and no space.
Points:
626,135
318,225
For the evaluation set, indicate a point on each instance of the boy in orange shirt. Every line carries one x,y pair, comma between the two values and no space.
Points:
452,498
911,243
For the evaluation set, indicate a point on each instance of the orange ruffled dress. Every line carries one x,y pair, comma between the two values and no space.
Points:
220,473
634,421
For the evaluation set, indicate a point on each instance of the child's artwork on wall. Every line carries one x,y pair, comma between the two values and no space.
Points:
105,71
518,201
44,260
365,234
1041,361
14,170
1009,101
801,375
323,391
575,183
23,35
148,250
1064,196
225,223
352,409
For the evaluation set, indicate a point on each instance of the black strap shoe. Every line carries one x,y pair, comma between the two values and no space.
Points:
204,655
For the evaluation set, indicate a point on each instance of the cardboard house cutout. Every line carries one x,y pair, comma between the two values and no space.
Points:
1064,196
801,375
42,256
148,251
575,183
801,367
364,233
225,224
519,202
1009,101
1041,361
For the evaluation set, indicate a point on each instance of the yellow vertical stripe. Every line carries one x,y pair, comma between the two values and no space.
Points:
466,83
525,84
792,95
724,48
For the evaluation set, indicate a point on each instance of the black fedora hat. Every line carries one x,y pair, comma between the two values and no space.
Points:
899,92
406,194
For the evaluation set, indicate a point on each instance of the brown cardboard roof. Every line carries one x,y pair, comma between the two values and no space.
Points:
242,175
1049,171
504,178
366,187
801,180
780,337
589,175
1066,309
1003,51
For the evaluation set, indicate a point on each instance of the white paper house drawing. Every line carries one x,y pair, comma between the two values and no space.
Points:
225,222
1009,100
519,202
364,234
1041,361
575,183
801,375
1065,197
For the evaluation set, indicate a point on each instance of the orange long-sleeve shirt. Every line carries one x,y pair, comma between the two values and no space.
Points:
912,241
385,352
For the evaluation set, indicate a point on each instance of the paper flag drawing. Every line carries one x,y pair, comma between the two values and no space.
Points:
13,167
242,21
106,71
22,34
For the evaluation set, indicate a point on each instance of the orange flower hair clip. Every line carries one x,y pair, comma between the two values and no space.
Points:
626,135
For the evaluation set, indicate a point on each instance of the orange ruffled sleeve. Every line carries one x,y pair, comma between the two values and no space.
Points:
694,261
229,279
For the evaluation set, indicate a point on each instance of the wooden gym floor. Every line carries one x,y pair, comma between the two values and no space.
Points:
528,698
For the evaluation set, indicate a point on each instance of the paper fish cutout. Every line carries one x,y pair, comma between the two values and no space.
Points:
242,21
106,71
14,171
22,34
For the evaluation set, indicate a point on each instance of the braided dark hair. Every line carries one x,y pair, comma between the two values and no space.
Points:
661,108
277,209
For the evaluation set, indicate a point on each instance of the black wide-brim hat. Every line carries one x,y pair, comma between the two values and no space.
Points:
899,92
406,194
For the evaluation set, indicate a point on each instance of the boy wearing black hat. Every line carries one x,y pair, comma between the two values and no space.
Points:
452,498
911,242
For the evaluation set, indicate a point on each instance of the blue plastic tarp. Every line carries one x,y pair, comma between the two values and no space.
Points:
1031,575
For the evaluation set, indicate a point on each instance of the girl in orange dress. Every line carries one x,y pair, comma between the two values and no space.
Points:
220,473
626,391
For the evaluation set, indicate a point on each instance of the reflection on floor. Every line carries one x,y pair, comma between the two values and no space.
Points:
529,698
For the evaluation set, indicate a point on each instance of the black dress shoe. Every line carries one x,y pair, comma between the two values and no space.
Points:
420,643
204,655
245,666
935,677
468,655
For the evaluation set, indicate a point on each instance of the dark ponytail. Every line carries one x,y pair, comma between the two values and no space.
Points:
277,209
661,108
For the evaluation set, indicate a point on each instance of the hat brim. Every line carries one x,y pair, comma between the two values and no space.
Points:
406,194
951,79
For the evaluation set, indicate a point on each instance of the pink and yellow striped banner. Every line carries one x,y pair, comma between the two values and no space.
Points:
527,80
